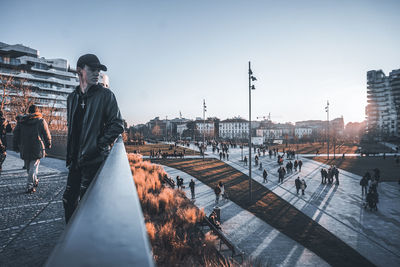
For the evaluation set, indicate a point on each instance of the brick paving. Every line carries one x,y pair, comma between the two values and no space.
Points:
30,224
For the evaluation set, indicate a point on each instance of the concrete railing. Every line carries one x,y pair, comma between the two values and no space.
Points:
107,229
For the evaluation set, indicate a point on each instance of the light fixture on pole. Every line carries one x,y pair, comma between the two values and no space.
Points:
204,126
251,87
166,129
327,117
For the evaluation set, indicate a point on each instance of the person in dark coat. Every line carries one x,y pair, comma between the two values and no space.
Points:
303,186
322,175
265,175
281,174
297,183
33,137
336,173
4,129
364,185
217,191
192,185
300,164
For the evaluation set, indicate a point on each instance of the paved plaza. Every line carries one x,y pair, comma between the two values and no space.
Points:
375,235
30,224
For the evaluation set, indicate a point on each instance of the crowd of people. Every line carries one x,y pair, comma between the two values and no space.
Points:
328,175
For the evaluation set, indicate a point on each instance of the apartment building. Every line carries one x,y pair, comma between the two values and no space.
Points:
383,97
47,81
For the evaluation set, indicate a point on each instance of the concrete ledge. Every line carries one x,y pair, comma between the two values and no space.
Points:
108,227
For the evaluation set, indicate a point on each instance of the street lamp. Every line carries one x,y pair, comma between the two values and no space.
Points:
251,87
327,115
204,126
166,129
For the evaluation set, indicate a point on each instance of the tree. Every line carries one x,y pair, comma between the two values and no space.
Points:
16,95
55,118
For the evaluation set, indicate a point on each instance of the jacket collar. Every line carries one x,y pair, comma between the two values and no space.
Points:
91,91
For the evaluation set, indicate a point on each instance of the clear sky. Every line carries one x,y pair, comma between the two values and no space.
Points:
167,56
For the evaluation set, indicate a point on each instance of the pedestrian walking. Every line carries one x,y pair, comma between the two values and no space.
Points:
94,122
297,183
192,185
33,138
223,192
217,191
220,155
300,164
303,186
364,185
245,161
336,173
281,174
265,176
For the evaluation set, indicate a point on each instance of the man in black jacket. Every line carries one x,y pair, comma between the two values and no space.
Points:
94,122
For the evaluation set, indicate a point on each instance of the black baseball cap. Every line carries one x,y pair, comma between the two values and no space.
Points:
91,61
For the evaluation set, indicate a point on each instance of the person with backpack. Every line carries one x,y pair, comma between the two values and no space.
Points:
33,138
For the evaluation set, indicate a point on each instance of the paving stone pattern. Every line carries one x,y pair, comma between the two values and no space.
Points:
30,224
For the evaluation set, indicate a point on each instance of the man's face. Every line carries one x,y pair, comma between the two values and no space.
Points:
90,75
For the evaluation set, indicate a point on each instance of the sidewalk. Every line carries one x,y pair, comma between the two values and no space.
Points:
30,224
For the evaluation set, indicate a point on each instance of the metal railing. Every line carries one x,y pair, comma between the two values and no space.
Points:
107,229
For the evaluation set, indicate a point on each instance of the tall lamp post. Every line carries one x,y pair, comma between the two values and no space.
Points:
204,126
327,117
251,87
166,129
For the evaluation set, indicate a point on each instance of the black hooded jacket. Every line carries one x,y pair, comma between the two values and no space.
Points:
32,136
101,125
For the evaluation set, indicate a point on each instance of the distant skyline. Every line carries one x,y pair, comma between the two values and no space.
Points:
165,57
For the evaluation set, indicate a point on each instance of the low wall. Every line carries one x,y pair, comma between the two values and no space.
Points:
58,147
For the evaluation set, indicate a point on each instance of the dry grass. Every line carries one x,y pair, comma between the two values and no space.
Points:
171,221
390,170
